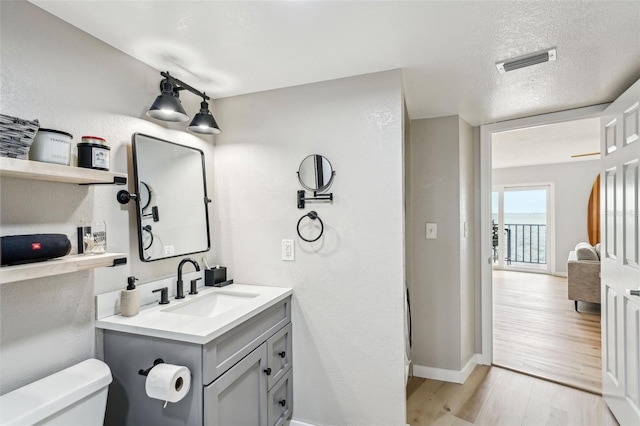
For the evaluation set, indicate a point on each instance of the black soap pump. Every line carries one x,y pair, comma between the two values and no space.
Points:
130,299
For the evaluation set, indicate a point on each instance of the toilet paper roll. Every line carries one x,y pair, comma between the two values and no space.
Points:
168,382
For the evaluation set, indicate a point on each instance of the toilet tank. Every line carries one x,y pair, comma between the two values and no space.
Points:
74,396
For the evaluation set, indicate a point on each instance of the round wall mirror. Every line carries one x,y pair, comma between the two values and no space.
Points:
315,173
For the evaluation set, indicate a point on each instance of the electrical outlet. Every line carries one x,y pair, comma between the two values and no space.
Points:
169,250
288,250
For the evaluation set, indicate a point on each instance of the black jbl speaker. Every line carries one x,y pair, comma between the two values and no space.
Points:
17,249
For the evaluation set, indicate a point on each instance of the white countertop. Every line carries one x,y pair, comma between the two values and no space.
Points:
152,321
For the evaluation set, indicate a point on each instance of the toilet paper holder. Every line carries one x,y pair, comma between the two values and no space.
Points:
146,372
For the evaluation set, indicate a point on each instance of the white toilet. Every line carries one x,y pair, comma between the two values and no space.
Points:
74,396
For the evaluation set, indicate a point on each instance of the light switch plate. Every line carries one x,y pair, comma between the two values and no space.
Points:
288,250
432,231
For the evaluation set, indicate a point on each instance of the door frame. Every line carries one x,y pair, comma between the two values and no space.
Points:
486,131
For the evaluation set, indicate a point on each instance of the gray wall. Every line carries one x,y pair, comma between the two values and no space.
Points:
442,270
348,286
467,242
476,236
573,182
73,82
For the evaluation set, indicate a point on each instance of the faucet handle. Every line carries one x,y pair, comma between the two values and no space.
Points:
194,286
164,295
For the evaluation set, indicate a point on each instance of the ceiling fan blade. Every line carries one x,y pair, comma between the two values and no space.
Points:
585,155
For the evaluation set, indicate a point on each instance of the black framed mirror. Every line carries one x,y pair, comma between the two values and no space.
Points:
315,173
172,206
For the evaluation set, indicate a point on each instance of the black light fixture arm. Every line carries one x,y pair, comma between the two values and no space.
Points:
181,85
123,196
316,197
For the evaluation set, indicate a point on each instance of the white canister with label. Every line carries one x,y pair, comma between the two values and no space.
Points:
51,146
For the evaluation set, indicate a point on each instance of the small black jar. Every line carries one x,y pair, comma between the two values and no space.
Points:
93,153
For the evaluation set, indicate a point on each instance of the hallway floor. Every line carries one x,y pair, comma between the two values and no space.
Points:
536,330
498,397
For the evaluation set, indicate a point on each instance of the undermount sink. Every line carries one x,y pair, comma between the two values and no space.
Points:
212,304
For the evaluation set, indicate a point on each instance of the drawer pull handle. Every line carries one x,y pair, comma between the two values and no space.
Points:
283,402
267,371
282,354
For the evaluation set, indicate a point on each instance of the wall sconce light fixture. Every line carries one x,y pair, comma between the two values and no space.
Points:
167,107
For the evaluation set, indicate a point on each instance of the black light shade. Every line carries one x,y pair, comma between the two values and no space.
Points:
204,122
167,106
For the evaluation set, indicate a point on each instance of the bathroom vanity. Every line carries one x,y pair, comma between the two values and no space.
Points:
235,340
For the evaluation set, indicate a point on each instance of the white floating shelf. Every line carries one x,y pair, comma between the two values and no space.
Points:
61,265
27,169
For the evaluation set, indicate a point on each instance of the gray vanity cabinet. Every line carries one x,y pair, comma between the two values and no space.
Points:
280,401
258,390
279,354
237,397
243,377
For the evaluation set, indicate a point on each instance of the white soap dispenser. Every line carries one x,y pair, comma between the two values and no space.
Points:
130,299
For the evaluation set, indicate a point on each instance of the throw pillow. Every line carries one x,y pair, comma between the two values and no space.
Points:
584,251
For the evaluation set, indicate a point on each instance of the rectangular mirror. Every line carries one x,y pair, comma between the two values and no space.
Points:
172,204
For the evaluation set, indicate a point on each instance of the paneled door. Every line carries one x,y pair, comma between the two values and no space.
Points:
620,273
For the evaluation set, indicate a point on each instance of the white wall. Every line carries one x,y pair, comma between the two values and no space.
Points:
572,182
76,83
408,235
348,286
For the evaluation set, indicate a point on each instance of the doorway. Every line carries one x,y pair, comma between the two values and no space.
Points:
490,215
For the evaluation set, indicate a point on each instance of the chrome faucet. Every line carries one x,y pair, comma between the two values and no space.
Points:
179,287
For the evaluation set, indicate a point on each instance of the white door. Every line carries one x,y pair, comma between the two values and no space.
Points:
620,273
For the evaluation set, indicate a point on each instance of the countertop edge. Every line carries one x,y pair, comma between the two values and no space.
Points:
105,324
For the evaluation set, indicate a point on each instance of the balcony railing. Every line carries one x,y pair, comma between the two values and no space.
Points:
526,243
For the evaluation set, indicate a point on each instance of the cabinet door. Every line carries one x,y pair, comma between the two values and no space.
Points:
280,400
239,396
279,355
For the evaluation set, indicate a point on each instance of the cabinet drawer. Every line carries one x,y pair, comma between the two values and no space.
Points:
280,400
222,353
279,355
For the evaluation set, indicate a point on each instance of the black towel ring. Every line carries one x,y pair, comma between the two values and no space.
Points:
313,216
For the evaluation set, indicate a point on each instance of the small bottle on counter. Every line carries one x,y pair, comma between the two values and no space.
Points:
130,299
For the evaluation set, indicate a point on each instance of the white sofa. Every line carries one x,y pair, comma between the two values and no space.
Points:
583,269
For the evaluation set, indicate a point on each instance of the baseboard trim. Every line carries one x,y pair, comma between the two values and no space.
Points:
560,274
295,422
453,376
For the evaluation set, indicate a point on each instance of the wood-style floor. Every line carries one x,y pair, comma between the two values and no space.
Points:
495,396
537,331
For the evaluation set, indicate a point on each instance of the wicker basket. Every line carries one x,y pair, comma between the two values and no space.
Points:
16,136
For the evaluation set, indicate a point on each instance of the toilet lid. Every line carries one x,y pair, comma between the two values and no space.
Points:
38,400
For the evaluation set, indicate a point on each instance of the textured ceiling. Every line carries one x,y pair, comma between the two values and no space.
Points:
447,50
554,143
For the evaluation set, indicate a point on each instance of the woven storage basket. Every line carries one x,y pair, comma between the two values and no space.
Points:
16,136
